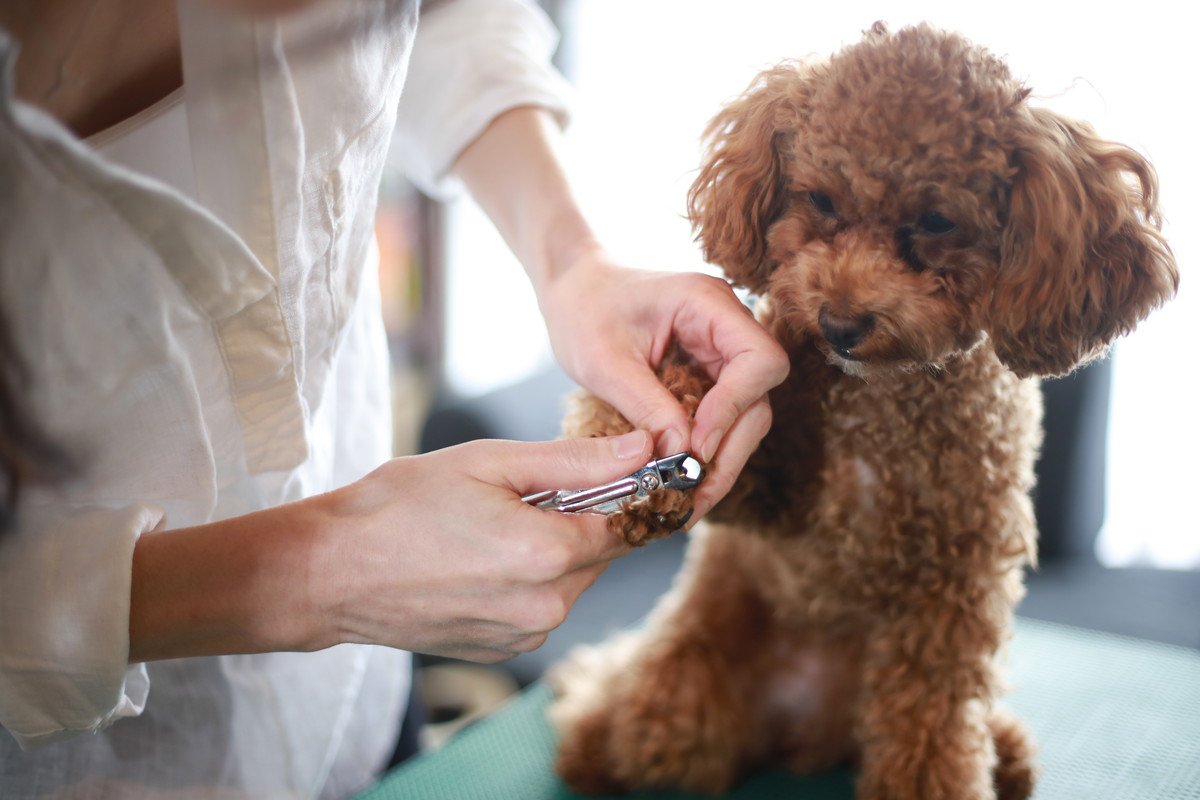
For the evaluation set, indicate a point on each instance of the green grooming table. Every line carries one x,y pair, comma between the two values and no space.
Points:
1114,718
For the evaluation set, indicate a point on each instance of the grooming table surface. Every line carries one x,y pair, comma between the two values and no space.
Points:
1114,718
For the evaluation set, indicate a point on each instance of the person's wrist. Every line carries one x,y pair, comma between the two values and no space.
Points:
242,585
565,257
309,582
565,291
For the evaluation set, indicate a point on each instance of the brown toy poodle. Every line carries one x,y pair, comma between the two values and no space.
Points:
925,244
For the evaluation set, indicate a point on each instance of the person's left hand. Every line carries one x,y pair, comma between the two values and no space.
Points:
610,325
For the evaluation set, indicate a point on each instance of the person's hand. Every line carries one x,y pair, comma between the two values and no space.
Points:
438,553
610,326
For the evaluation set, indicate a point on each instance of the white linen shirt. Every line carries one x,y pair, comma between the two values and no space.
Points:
209,339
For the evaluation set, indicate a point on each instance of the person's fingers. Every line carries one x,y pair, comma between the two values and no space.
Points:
523,619
736,351
555,602
574,584
527,643
747,376
634,390
476,655
741,441
526,467
553,543
580,540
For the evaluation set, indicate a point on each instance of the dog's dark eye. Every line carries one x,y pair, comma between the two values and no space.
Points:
935,223
907,249
823,203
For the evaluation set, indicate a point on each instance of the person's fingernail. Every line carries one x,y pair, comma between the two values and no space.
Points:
672,442
628,445
709,448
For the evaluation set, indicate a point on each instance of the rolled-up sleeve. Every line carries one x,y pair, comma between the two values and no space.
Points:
64,622
472,60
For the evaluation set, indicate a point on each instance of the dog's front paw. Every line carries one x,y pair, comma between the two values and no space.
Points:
659,514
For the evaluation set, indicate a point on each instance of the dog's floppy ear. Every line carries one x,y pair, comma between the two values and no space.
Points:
741,188
1082,260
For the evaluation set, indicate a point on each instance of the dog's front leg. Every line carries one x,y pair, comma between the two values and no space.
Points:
928,688
673,706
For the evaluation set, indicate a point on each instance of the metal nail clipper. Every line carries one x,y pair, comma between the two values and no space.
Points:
679,471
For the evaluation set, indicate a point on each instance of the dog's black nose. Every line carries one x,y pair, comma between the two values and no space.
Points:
844,333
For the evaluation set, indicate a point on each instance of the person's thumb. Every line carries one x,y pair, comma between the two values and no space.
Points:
573,463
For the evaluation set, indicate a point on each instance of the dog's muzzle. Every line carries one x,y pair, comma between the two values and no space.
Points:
844,333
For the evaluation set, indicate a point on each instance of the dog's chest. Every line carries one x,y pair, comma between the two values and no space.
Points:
909,443
920,477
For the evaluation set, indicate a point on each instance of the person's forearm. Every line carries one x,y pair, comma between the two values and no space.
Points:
514,172
242,585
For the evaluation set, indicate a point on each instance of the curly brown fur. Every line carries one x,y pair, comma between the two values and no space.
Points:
925,242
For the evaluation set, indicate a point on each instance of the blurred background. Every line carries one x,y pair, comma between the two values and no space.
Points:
1120,539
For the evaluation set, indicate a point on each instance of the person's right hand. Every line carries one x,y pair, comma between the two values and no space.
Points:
439,554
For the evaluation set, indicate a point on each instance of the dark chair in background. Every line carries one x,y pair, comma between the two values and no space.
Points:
1070,585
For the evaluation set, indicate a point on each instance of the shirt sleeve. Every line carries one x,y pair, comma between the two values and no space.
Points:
64,621
471,61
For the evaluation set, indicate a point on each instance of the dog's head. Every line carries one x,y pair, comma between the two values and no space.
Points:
902,203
